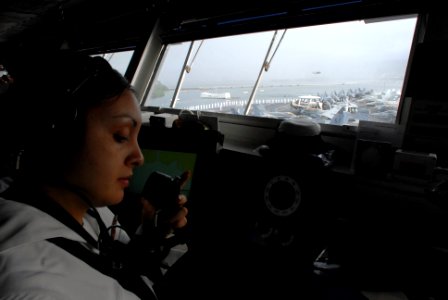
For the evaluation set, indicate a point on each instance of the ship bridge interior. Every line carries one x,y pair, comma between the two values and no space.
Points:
284,209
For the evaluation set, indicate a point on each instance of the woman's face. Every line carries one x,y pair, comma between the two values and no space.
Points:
110,153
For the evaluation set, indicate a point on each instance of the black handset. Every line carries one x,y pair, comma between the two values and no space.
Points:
162,191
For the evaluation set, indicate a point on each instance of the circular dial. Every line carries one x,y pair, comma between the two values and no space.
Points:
282,195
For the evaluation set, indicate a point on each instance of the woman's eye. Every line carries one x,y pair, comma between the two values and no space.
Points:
120,138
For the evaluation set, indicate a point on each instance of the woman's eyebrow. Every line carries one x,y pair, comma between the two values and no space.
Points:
126,116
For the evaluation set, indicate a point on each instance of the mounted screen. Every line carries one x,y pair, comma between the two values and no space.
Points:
172,151
172,163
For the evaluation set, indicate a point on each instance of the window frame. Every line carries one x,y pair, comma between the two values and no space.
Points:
160,38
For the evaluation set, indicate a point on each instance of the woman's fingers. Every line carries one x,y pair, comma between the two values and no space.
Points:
179,220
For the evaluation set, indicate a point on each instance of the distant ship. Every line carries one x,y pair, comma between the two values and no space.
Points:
308,102
225,95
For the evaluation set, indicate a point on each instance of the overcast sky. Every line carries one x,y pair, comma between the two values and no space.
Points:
352,50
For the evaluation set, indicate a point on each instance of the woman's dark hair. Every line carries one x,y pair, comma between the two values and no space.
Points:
49,100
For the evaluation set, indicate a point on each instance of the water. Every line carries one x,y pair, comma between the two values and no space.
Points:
191,97
373,101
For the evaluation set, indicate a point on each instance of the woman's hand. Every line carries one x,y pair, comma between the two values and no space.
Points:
174,220
163,219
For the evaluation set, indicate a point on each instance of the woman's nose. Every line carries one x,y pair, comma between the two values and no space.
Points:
137,157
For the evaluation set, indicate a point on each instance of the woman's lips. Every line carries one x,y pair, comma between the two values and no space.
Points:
124,181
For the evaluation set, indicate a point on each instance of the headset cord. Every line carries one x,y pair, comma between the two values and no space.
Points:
106,243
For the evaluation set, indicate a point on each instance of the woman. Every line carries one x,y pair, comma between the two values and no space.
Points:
77,151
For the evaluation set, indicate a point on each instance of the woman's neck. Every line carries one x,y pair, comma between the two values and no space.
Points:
69,200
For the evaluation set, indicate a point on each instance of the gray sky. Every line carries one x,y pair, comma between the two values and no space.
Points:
345,51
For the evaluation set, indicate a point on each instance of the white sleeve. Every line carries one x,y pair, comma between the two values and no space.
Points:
34,295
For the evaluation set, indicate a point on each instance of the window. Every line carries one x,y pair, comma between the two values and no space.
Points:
119,60
337,73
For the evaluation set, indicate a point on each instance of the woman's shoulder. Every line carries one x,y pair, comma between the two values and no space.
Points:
23,224
43,270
